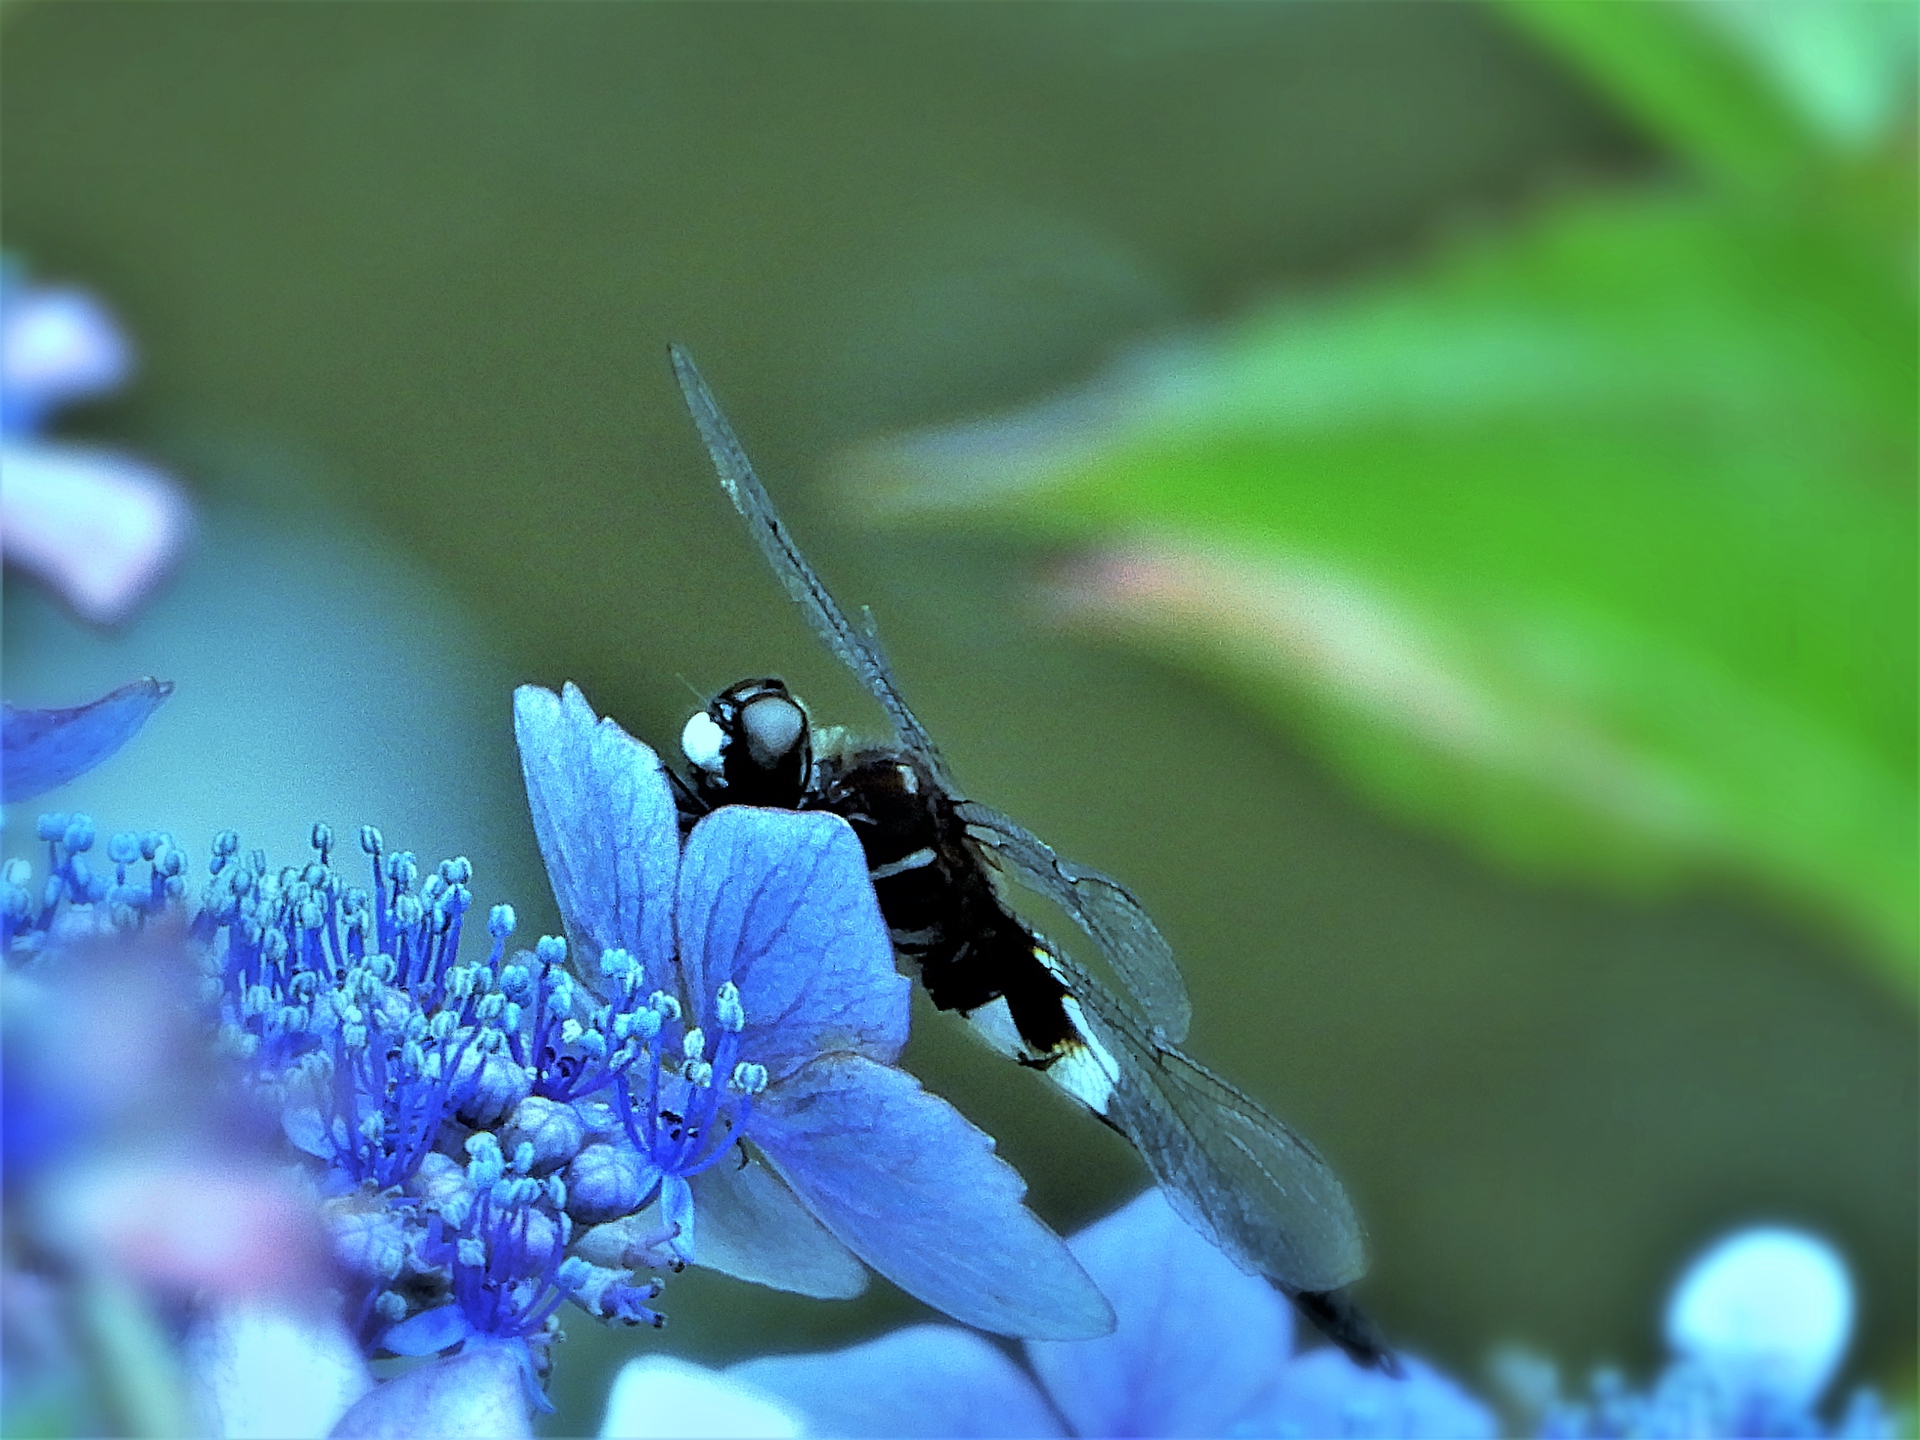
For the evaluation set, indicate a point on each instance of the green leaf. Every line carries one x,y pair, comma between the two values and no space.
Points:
1679,78
1753,93
1592,543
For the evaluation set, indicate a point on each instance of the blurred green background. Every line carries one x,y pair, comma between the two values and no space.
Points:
1573,355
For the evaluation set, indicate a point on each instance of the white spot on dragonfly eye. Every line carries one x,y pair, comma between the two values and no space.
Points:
702,741
918,860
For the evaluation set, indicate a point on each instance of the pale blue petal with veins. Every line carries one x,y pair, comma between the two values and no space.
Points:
1200,1349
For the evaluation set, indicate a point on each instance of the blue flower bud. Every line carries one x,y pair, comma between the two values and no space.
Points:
51,826
322,838
123,848
492,1084
370,840
500,921
551,949
439,1179
373,1244
605,1182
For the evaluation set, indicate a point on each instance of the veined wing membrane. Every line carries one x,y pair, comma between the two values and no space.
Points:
1232,1171
856,646
1099,905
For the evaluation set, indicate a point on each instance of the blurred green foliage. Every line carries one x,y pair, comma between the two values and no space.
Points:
1590,539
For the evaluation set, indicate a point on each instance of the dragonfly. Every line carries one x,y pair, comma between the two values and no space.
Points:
1242,1178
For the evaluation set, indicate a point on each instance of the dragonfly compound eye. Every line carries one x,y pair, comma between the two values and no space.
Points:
773,727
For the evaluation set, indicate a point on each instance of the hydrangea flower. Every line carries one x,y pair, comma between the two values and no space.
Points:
1200,1348
100,527
351,1016
1758,1325
761,949
487,1138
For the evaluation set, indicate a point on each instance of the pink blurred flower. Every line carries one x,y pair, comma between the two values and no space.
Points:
100,527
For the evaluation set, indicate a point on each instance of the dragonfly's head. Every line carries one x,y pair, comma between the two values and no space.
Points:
751,746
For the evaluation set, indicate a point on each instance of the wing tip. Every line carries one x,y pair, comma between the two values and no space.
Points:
684,370
1334,1314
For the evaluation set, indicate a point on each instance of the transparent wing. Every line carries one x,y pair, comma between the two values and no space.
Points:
1232,1171
856,646
1099,905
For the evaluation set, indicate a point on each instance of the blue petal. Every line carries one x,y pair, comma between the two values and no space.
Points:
429,1332
909,1186
259,1370
753,1227
676,1214
307,1131
1199,1342
661,1398
607,829
40,749
780,904
927,1380
1325,1393
479,1394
